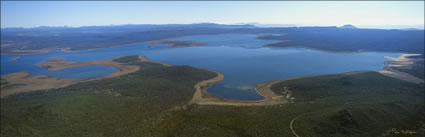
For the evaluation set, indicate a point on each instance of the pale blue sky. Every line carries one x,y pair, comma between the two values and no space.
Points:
326,13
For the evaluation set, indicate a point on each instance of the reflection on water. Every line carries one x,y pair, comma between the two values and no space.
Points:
241,58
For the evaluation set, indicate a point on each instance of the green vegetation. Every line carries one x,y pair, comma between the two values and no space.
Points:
127,59
372,104
274,121
177,43
370,83
7,85
127,105
153,102
364,104
417,69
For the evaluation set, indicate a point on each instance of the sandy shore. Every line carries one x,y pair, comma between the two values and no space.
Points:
201,93
22,82
202,97
403,61
55,64
15,58
25,52
145,59
26,83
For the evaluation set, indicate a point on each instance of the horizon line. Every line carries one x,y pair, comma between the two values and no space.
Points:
277,25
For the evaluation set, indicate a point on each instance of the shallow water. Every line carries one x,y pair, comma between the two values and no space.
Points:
241,58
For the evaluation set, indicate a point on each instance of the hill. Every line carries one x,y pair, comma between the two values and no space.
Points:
348,26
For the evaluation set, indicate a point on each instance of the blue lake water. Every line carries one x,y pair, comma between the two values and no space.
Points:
240,57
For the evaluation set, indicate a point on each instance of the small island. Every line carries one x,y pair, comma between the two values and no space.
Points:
15,58
177,43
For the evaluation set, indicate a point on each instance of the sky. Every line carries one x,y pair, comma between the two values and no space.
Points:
301,13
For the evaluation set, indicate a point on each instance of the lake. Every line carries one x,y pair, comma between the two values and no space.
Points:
240,57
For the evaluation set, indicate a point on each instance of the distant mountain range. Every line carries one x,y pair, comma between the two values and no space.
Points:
348,26
129,27
344,38
150,27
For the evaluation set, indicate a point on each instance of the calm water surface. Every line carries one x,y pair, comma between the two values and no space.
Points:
241,58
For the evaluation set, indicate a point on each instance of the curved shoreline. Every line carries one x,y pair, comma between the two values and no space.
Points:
202,97
23,82
55,64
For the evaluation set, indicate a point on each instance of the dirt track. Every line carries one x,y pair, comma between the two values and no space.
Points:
291,126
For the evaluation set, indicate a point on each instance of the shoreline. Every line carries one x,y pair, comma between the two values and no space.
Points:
327,50
335,51
403,61
317,49
55,64
192,44
44,51
202,97
20,82
27,52
47,50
